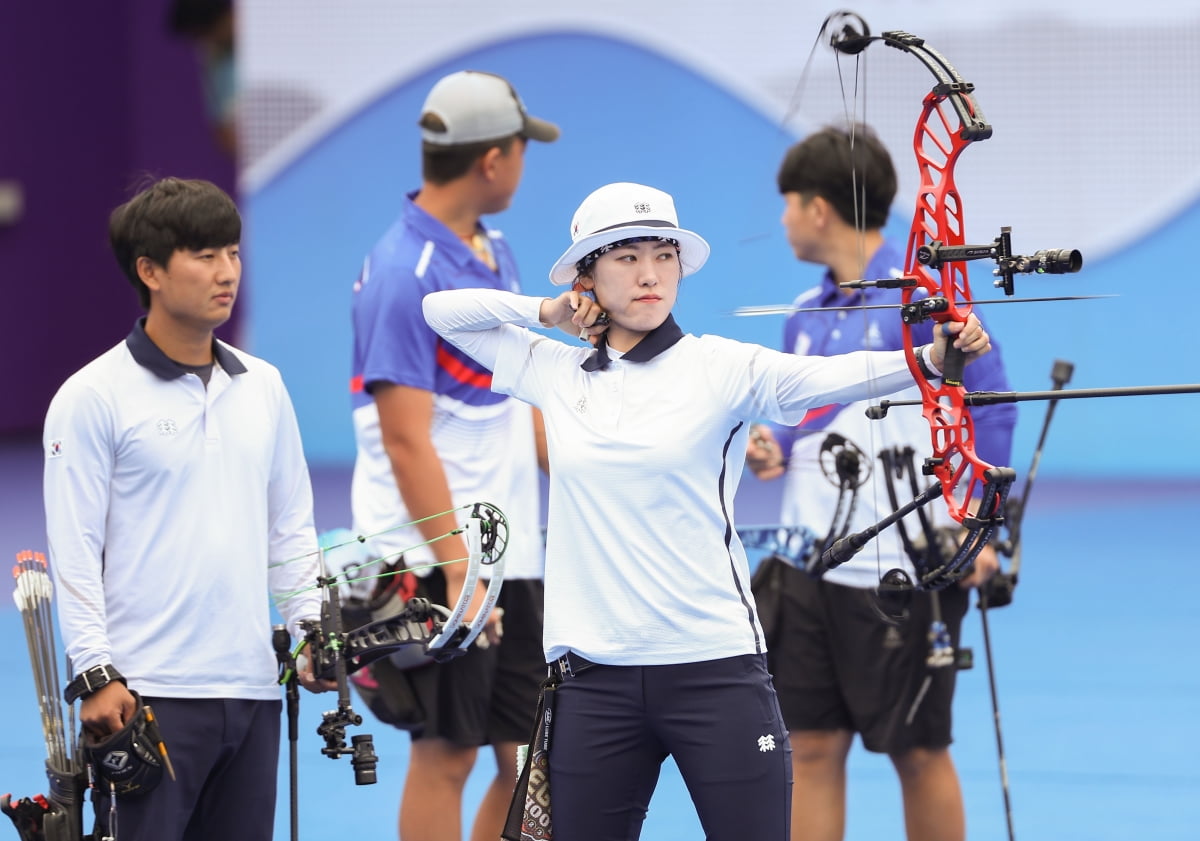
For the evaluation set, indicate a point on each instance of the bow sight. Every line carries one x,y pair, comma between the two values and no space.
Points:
326,642
1054,261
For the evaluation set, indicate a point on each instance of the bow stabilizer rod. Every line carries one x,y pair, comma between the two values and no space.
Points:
989,398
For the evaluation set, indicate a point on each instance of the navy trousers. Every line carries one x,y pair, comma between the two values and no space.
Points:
226,758
614,725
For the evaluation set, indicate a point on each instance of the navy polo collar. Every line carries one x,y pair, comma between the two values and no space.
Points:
150,356
652,344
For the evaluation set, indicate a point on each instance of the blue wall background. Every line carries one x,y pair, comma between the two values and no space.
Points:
630,114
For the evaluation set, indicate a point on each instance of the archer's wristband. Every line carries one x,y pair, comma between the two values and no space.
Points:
91,681
927,369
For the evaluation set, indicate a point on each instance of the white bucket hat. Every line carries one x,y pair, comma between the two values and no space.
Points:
624,211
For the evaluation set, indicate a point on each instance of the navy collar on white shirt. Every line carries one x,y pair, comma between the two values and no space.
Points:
150,356
652,344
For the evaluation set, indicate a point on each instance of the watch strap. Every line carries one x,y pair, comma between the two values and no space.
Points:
91,680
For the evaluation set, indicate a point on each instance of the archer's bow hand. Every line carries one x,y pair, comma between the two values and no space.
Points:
304,673
968,336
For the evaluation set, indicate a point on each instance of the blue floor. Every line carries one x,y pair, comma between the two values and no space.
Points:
1096,662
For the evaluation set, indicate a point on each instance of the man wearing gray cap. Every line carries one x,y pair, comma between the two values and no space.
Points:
432,437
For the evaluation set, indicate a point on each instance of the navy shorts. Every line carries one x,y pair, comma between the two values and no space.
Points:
614,725
488,695
841,664
225,753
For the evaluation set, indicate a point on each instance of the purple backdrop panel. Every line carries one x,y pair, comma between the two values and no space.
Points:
100,95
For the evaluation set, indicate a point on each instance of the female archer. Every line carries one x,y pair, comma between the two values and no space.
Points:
650,625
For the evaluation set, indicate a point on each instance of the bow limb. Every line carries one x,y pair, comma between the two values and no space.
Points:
459,611
486,535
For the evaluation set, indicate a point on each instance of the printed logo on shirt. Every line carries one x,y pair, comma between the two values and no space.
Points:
54,449
892,638
766,743
581,405
166,426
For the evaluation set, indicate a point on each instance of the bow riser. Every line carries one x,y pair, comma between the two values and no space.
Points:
939,218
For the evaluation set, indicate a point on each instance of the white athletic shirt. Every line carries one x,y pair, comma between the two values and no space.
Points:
643,566
171,510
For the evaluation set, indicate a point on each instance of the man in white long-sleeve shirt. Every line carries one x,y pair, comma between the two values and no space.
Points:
177,497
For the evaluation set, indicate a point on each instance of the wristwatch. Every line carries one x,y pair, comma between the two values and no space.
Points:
89,681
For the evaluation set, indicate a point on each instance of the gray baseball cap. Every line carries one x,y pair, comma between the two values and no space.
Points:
472,106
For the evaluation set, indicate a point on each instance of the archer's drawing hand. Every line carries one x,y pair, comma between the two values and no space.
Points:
764,456
107,709
574,313
968,336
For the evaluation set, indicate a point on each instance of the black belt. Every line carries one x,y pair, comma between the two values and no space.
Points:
569,665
